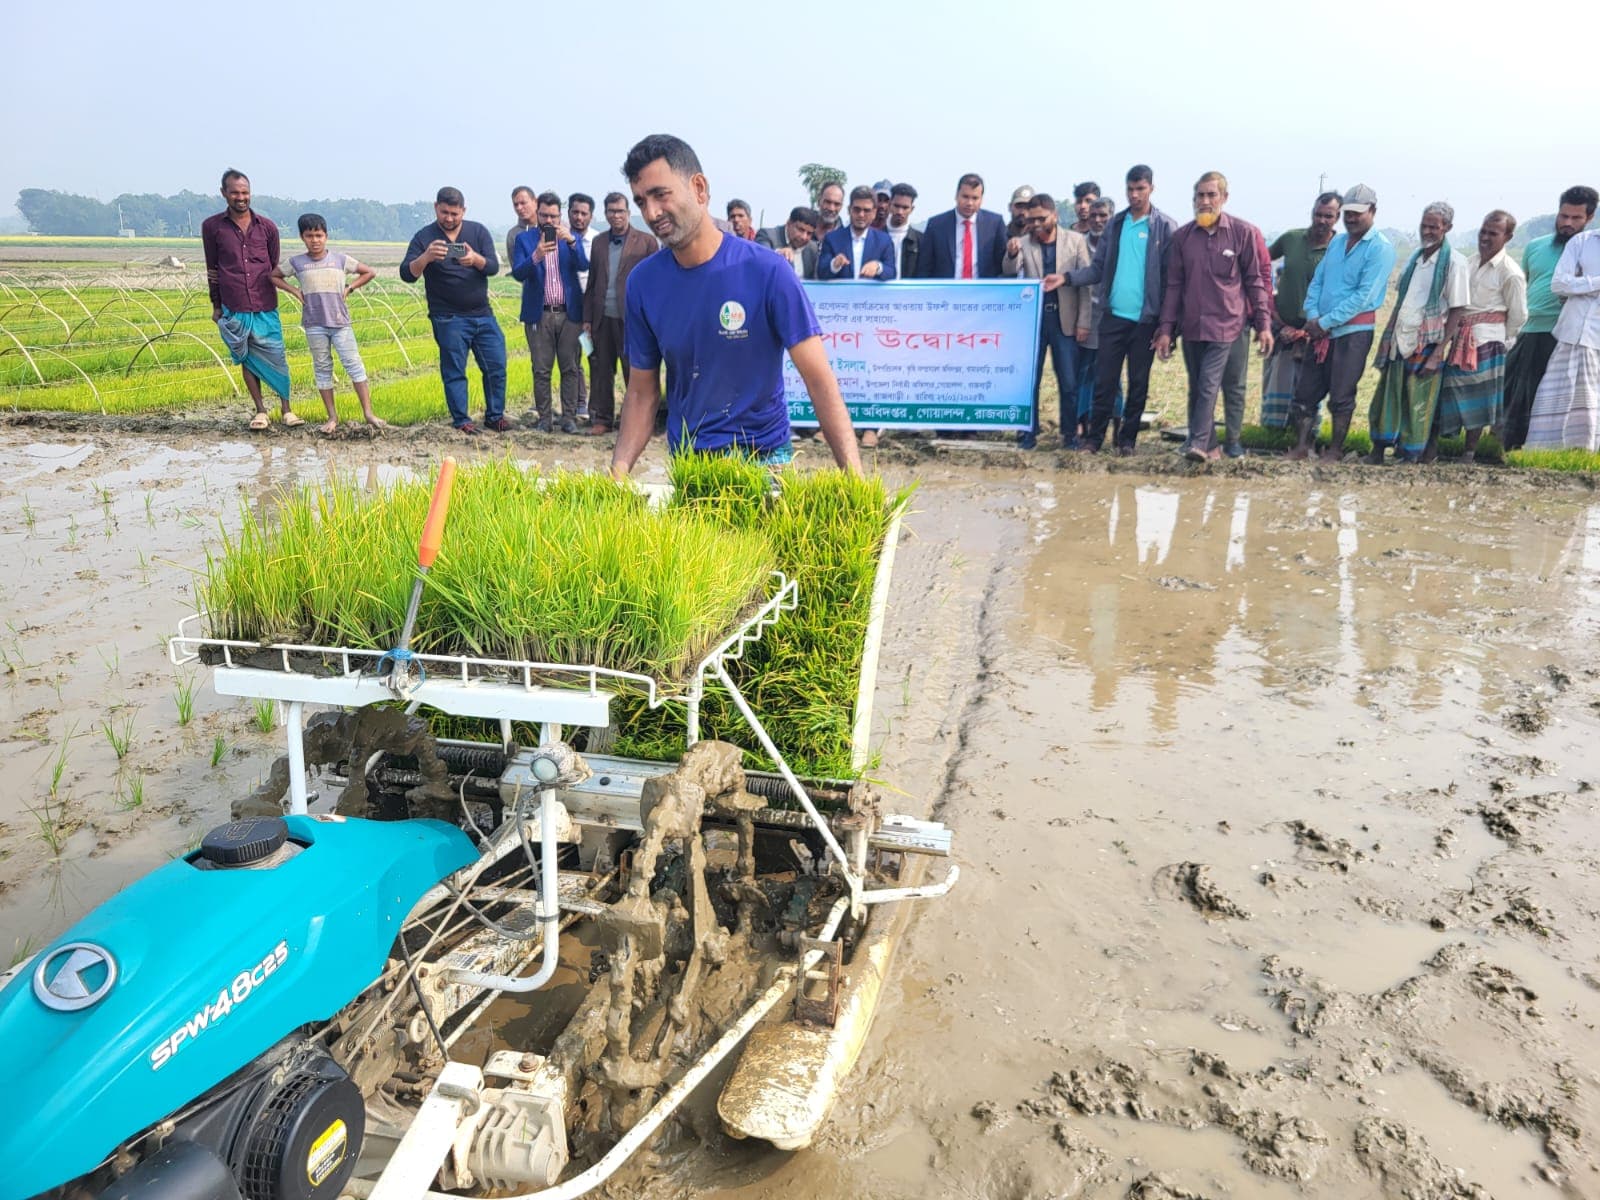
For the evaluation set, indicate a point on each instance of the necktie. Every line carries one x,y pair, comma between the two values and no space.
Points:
966,248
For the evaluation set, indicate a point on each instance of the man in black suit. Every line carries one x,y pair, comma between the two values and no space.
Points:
907,241
968,242
796,240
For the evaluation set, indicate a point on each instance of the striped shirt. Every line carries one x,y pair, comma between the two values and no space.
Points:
322,284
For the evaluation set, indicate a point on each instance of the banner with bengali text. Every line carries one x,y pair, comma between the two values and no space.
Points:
926,353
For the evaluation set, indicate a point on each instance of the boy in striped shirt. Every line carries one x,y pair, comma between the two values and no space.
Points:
325,316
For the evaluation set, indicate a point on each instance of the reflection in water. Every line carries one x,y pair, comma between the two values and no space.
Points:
1366,590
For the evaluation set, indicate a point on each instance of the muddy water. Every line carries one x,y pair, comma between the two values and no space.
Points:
1275,805
1271,794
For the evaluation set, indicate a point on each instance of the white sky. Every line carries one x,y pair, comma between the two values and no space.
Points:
1420,101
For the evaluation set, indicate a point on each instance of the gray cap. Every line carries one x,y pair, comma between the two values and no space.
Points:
1022,193
1359,198
882,188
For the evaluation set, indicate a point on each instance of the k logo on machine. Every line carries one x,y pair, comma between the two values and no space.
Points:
732,318
74,976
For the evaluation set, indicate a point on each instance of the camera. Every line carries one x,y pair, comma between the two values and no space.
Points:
458,250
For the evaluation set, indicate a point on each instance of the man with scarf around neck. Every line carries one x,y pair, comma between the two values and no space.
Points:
1341,307
1472,394
1433,291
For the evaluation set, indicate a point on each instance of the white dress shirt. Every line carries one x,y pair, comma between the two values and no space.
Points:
1577,281
587,237
1498,286
858,244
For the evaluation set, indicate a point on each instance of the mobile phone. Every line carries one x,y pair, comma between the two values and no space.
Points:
458,249
547,233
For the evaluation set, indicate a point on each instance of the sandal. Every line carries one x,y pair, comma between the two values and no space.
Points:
260,421
292,420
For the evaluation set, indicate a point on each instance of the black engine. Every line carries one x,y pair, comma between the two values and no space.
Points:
286,1127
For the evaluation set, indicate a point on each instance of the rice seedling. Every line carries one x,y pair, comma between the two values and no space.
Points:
1573,461
218,749
827,531
1259,437
72,529
134,796
266,715
576,570
183,696
119,734
59,768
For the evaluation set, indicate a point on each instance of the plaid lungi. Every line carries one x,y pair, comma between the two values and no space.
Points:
1566,410
1473,399
1403,403
1278,373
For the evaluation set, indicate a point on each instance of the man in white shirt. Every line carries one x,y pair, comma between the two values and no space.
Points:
1433,290
1472,395
1566,411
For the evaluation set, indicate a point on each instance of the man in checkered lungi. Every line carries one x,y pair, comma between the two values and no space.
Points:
1472,393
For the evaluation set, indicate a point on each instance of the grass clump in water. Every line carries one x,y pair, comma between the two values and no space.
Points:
568,569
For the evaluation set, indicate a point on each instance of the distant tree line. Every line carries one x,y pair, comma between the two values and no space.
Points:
64,214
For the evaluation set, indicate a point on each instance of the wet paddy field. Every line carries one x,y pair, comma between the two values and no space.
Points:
1273,789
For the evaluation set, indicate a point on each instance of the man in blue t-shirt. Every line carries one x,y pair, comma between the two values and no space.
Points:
719,312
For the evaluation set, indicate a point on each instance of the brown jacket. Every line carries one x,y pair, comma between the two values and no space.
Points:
637,247
1072,254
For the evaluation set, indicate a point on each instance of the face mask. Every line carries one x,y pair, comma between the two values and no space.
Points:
1206,219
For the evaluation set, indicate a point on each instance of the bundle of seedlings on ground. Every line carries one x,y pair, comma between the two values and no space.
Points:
827,531
565,569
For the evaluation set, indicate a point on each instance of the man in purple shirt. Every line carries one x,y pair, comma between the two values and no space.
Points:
241,249
1214,288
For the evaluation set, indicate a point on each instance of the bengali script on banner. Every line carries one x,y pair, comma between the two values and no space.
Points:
927,354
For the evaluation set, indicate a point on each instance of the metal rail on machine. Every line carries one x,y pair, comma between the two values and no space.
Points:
506,690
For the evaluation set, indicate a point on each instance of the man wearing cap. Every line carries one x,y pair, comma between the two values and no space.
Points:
1342,305
1018,225
881,191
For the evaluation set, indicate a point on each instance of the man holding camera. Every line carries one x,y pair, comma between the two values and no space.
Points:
546,260
454,258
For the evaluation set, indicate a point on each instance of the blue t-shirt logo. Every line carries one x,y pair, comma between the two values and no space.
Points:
731,316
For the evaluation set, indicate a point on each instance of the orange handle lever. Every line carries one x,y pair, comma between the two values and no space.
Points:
433,527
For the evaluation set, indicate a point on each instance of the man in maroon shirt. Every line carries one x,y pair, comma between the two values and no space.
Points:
241,248
1214,288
